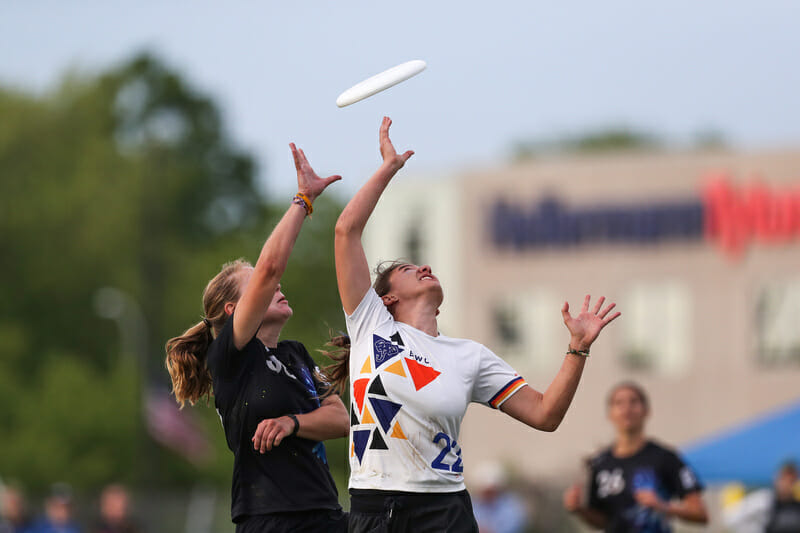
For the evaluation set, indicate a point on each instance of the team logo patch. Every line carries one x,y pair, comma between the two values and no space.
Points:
383,349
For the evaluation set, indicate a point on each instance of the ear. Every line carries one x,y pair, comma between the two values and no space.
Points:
229,307
389,299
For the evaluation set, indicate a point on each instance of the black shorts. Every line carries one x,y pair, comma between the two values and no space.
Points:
315,521
374,511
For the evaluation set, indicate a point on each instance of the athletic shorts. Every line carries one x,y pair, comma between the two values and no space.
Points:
295,522
399,512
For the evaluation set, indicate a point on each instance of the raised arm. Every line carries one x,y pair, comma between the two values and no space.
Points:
546,411
271,263
352,269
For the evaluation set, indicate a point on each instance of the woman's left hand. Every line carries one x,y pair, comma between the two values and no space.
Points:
648,498
308,182
586,325
270,432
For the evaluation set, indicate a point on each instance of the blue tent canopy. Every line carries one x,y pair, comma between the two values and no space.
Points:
750,453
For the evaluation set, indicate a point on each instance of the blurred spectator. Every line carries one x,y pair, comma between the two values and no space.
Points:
496,508
767,511
784,516
58,512
13,513
115,511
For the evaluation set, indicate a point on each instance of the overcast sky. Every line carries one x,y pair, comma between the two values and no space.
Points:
498,72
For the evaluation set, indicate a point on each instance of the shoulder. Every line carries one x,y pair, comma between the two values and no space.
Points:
658,449
601,458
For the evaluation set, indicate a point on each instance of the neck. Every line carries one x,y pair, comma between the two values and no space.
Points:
421,316
629,443
268,333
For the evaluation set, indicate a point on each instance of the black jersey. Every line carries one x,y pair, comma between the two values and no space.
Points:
614,480
784,517
258,383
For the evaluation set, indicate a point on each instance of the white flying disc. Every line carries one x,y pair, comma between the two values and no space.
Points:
380,82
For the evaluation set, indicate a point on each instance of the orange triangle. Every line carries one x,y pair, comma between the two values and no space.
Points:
367,368
397,432
367,417
421,374
359,388
351,450
396,368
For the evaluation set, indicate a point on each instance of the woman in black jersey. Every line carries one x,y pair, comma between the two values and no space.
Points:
636,485
273,408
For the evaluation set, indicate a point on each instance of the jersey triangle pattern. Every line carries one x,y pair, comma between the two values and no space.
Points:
367,368
360,439
367,419
385,411
377,441
421,374
397,339
377,387
359,389
383,350
396,368
397,432
353,417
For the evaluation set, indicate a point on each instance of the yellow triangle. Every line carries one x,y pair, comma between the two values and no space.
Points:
352,453
397,432
396,368
367,419
367,368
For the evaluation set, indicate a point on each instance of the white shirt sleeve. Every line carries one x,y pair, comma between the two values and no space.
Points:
367,317
495,381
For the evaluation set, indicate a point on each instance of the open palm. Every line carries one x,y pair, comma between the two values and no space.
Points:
308,182
587,325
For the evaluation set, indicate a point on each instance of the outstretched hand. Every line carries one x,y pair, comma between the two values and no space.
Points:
308,182
586,325
389,154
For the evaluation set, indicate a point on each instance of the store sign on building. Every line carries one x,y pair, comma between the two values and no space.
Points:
728,215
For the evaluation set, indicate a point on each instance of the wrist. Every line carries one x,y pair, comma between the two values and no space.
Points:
296,423
578,345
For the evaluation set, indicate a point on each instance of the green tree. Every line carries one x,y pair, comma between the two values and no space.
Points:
125,179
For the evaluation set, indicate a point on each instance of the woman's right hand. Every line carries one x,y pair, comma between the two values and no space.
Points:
573,498
389,154
308,182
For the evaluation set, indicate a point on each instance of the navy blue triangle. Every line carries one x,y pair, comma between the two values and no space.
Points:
377,387
383,350
377,441
385,411
360,439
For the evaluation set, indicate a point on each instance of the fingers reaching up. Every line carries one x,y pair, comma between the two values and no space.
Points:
388,152
587,325
308,182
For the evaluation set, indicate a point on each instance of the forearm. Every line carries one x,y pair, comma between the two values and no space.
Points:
558,396
276,250
354,216
591,517
329,421
689,511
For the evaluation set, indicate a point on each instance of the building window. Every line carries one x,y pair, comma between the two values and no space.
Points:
526,328
777,323
657,328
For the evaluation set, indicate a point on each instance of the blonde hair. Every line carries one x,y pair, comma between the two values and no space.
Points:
186,353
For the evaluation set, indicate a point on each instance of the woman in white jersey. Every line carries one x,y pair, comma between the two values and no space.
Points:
410,386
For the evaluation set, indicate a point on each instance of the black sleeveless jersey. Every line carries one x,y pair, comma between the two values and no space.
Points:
258,383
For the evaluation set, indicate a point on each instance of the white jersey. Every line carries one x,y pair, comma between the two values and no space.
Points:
409,394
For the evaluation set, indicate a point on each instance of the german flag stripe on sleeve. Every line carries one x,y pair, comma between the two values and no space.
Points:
506,392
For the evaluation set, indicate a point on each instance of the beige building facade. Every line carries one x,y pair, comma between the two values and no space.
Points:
700,251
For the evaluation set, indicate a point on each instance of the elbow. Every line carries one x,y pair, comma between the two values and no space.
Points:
266,272
346,227
550,423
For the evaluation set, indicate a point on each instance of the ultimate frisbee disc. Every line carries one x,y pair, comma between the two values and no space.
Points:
380,82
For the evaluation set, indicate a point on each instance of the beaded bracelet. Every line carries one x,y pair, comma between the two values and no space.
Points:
571,351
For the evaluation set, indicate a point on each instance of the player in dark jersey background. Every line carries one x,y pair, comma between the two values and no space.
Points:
273,407
636,485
